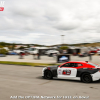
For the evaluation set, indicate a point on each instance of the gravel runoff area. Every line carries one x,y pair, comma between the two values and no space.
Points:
46,59
23,82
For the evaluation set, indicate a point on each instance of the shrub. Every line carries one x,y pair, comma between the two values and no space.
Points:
3,51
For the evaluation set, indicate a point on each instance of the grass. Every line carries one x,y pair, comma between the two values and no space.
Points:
26,63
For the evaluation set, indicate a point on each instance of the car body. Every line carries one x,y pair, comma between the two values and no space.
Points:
84,70
93,51
2,55
98,52
12,53
51,52
33,50
83,54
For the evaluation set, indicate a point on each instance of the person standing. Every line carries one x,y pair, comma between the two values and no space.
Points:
55,55
21,55
34,56
90,56
38,54
64,52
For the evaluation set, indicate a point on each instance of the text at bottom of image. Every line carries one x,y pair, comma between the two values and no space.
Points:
49,97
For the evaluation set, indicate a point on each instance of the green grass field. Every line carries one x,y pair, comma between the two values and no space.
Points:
26,64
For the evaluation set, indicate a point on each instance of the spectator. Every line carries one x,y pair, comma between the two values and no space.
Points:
54,55
21,55
38,55
34,56
64,52
90,56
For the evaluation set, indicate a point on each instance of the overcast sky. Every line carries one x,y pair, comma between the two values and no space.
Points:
44,21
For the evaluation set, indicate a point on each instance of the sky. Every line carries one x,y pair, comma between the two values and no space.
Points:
44,21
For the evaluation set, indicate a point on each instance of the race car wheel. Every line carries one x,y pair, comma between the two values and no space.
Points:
86,78
48,75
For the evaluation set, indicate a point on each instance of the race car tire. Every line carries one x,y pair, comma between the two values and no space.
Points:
86,78
48,74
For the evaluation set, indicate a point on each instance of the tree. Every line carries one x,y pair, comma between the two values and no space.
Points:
3,51
64,48
21,47
28,45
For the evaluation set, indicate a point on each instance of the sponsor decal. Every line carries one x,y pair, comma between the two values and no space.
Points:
66,72
59,71
2,5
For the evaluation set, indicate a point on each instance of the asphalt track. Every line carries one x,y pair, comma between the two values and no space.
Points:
26,83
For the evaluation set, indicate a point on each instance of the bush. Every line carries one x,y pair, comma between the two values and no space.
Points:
3,51
1,46
21,47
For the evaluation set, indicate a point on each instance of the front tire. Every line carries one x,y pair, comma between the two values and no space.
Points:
48,75
86,78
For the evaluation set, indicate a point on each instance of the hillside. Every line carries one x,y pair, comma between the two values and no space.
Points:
87,44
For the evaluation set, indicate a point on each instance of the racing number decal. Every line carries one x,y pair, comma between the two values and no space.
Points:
66,72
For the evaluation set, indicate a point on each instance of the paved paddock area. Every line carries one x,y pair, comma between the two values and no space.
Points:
46,59
24,81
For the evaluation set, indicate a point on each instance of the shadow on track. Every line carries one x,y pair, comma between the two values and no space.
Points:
69,80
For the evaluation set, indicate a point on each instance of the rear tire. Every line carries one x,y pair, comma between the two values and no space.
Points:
48,74
86,78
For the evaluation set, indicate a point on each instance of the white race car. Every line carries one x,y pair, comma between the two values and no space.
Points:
84,70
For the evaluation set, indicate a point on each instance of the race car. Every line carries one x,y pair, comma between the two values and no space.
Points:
83,70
